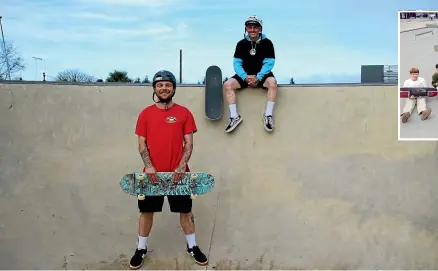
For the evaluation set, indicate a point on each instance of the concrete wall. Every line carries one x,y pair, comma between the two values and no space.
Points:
330,188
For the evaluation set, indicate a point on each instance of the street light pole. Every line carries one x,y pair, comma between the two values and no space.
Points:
4,50
36,66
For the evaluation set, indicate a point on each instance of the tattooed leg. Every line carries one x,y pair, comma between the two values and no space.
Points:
187,223
230,90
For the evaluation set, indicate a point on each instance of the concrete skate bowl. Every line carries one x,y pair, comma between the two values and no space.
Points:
416,24
331,188
418,49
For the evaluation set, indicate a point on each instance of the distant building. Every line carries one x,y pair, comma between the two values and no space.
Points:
419,14
379,74
407,15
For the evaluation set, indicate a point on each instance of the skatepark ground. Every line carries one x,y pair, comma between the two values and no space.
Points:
418,51
330,188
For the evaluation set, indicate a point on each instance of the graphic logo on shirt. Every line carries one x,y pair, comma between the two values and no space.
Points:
171,119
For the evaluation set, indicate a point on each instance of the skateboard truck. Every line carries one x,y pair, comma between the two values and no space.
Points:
141,196
194,177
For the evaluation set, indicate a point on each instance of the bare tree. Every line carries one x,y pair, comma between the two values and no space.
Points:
11,55
74,75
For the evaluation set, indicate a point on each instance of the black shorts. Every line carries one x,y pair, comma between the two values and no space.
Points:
154,204
244,84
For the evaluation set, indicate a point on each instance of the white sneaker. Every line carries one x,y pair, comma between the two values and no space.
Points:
233,123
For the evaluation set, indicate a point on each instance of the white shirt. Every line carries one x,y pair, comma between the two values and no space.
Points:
419,83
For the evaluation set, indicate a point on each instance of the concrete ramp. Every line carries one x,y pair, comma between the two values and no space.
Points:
435,25
331,188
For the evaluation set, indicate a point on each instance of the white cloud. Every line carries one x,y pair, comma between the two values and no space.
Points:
149,3
324,60
41,22
101,16
139,31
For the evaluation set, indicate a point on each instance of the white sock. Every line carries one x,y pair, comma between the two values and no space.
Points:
269,108
233,110
142,242
191,240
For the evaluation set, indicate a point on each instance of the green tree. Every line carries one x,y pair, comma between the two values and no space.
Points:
146,80
119,76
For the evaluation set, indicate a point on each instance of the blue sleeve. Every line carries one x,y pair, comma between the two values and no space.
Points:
268,64
238,68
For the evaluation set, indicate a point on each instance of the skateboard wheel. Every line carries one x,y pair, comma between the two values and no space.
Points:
194,176
141,177
141,197
193,196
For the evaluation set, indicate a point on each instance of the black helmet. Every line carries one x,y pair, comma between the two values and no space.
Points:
164,75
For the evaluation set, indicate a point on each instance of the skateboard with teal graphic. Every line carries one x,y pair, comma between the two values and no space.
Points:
192,184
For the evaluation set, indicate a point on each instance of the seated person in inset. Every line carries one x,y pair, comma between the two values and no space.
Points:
435,77
420,102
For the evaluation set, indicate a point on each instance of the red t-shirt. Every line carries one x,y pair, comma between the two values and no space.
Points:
164,132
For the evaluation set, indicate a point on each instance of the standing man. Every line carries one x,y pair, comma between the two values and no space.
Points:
254,59
415,82
162,128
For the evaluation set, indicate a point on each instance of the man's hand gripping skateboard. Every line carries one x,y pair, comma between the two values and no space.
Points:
151,172
179,172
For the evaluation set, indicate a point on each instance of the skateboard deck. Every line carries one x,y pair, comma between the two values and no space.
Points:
192,184
213,93
417,92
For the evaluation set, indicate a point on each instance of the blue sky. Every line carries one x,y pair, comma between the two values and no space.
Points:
315,41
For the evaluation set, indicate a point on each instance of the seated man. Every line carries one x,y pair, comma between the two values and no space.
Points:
415,81
435,77
254,59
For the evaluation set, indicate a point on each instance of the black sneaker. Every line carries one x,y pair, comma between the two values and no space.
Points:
268,122
138,258
197,255
232,124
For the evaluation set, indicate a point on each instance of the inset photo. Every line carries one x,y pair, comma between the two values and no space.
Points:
418,75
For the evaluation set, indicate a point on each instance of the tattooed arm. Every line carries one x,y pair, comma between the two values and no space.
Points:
142,148
149,167
187,153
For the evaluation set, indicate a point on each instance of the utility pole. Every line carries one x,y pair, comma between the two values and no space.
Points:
180,66
36,66
4,50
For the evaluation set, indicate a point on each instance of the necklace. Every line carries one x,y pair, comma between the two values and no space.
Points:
253,50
